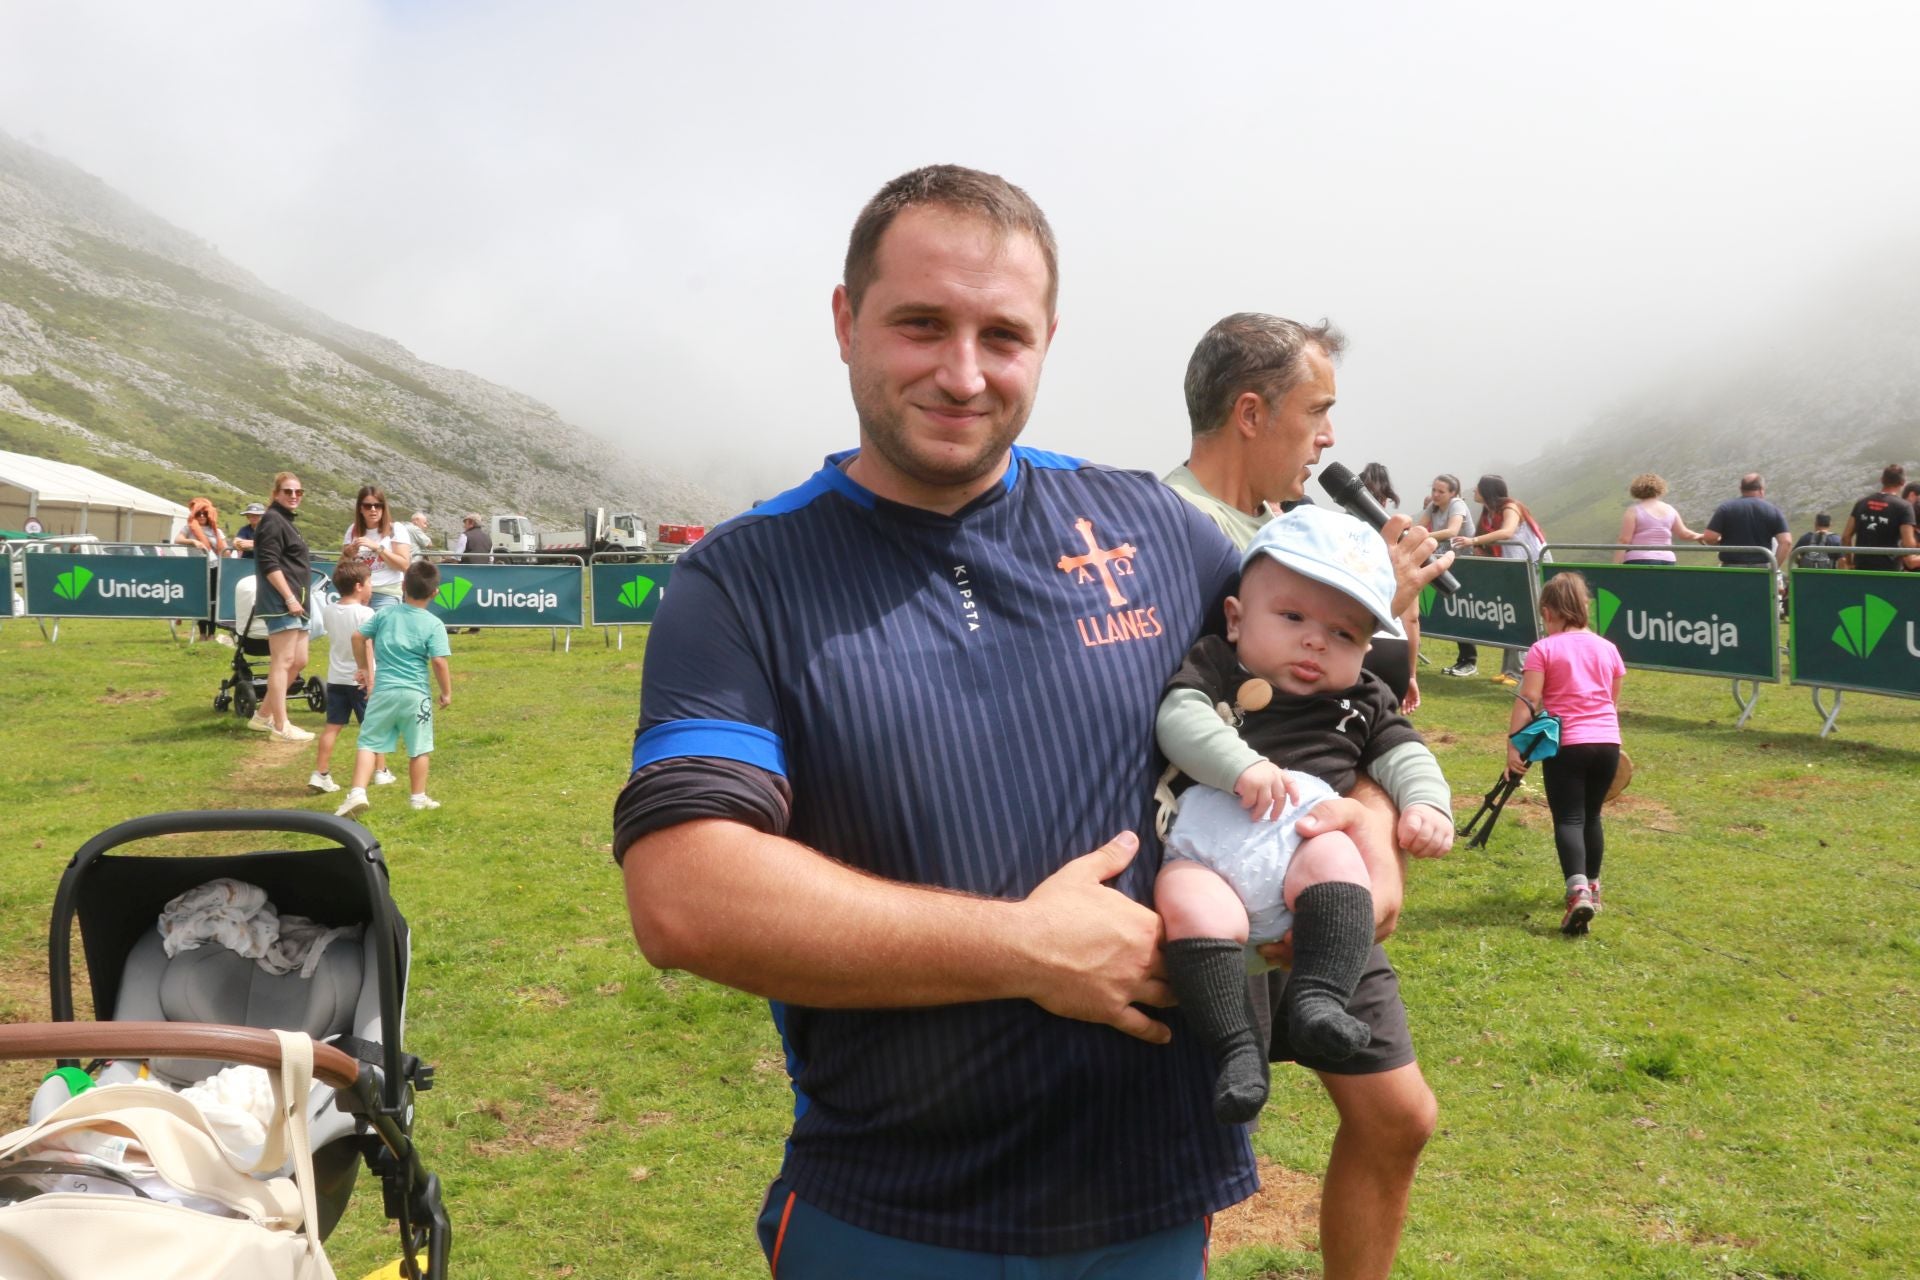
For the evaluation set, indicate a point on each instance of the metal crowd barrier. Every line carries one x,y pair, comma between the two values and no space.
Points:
1686,619
511,590
1873,645
627,588
83,578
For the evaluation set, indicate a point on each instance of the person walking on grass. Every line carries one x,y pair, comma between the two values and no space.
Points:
1576,676
402,644
346,700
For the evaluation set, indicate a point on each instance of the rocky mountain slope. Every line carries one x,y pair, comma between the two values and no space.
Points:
129,346
1818,406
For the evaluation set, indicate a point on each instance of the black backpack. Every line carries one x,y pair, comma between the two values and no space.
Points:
1813,559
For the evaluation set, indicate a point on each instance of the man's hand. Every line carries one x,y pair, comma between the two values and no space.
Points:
1425,832
1101,949
1410,547
1265,789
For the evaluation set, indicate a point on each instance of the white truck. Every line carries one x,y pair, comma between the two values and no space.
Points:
626,531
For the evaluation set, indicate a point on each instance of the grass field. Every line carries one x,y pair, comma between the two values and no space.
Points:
1719,1082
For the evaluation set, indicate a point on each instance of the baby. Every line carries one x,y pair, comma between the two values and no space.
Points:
1269,722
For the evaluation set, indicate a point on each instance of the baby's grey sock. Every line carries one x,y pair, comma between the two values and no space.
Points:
1209,978
1332,937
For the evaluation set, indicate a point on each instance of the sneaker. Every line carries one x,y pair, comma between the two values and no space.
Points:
261,723
384,778
424,801
1504,678
1593,887
355,804
322,782
292,733
1579,911
1461,669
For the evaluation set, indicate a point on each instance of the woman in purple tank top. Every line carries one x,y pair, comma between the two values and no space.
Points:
1650,525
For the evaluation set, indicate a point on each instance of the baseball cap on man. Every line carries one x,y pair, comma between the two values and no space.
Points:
1335,549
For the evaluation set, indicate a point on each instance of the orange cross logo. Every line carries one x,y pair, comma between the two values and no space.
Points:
1109,563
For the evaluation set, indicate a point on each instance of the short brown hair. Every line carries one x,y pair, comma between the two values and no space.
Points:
1565,595
1647,485
984,195
421,581
1893,474
1251,351
349,574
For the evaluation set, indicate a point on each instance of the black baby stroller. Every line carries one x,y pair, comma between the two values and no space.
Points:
243,689
186,1015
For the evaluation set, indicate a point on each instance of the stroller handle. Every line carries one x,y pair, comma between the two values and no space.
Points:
249,1045
349,835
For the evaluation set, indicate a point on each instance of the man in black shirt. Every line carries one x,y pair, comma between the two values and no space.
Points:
1883,519
1749,521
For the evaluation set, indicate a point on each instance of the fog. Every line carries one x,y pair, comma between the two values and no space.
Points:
1519,214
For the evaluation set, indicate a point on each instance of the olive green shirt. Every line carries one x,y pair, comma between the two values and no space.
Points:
1235,523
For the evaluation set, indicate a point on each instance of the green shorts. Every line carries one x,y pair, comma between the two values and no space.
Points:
393,714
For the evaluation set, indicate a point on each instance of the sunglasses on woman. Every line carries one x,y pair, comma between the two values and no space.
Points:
292,493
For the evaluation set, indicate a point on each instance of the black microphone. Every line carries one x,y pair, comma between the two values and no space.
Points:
1346,489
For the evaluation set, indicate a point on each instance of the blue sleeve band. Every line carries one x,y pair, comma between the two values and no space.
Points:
722,739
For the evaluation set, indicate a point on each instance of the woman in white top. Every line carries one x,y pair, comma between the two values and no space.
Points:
1649,526
1446,517
372,538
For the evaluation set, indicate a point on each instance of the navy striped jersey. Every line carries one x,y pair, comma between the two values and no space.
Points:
965,701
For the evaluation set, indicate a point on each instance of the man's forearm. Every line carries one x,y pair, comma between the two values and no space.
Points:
770,916
1386,864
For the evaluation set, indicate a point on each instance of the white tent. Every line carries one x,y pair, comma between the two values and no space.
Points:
74,500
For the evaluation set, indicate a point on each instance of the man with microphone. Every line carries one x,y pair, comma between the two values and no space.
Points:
1260,391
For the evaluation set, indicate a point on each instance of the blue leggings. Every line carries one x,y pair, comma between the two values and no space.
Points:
802,1243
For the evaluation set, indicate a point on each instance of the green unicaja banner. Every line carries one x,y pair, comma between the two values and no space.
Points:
626,594
1493,606
109,585
509,595
1856,630
232,569
1700,620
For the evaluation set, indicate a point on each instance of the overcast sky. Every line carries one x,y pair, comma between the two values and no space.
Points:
637,212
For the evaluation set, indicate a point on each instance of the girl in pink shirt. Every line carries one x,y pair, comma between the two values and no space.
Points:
1576,675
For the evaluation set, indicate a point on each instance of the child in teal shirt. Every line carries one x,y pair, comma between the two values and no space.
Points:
404,644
